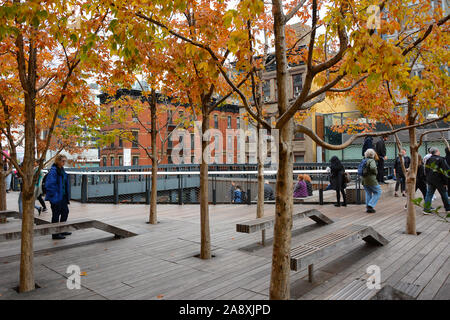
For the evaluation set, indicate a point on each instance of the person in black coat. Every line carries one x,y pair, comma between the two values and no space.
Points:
337,180
368,144
380,149
447,158
435,168
399,174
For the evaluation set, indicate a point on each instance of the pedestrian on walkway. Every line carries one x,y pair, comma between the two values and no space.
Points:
368,144
369,181
399,174
436,172
58,193
308,182
380,149
337,180
233,187
38,192
268,191
300,189
237,198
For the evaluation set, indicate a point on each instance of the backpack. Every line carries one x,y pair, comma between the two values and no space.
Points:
44,189
361,167
243,196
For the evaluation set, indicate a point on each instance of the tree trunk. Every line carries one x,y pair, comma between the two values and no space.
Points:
205,250
260,204
411,184
279,281
153,196
26,258
2,195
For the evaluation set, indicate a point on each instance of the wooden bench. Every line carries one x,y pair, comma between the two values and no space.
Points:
52,228
305,255
261,224
17,215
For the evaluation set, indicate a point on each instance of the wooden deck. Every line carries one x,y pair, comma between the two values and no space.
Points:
159,262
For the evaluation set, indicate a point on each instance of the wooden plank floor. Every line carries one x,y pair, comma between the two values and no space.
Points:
160,262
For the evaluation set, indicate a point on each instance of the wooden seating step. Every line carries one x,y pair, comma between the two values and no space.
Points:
306,254
268,222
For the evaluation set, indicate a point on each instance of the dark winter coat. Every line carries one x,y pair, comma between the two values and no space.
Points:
54,185
398,165
435,176
368,144
380,148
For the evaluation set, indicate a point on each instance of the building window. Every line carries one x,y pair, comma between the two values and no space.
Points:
266,90
299,136
120,142
192,141
135,161
111,113
170,117
299,158
104,161
120,161
112,145
216,121
238,122
229,122
112,161
297,83
135,139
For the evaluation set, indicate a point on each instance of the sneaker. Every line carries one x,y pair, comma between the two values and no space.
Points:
425,212
58,236
396,194
44,210
39,210
370,210
66,233
406,206
337,205
403,194
344,204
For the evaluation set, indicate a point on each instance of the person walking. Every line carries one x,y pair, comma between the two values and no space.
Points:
368,144
380,149
268,191
337,180
237,198
447,158
435,171
300,189
233,187
369,181
38,192
399,174
58,193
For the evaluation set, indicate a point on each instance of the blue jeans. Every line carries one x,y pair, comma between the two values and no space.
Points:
373,193
431,189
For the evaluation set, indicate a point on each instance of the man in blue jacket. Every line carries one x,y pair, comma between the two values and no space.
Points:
58,193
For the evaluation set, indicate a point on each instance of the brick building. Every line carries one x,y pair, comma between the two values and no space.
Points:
168,116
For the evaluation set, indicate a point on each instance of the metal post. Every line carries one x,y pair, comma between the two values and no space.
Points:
84,188
180,190
358,190
321,190
311,273
116,189
214,195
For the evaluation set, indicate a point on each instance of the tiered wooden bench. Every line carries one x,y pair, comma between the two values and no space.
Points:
15,214
305,255
51,228
264,223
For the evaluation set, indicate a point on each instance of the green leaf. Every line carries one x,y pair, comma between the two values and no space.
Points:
35,22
